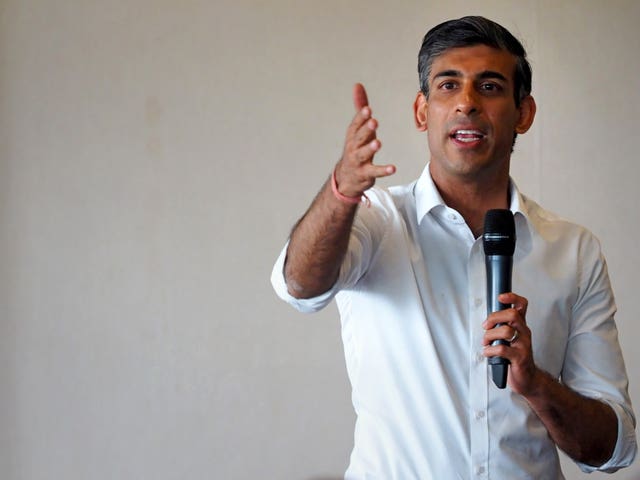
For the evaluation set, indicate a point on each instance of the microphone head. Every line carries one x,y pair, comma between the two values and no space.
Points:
499,237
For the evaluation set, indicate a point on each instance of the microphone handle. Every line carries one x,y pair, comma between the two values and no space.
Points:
499,268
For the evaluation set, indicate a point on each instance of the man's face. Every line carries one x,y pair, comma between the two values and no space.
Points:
471,115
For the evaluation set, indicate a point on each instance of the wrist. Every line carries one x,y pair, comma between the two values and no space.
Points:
344,198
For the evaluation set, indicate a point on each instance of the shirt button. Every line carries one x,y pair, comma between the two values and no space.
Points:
479,414
479,358
479,470
478,302
452,216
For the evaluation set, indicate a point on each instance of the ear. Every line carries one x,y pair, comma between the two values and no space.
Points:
527,114
420,112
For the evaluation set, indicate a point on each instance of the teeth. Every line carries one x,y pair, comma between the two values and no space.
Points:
468,135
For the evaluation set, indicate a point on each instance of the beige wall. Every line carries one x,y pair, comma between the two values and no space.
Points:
153,156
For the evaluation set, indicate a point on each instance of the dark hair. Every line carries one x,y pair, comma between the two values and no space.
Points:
469,31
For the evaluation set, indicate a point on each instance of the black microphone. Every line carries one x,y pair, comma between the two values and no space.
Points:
499,241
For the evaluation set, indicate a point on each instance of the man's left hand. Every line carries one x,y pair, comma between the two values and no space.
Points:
523,371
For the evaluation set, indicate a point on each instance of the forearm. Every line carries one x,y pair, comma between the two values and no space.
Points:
318,244
584,428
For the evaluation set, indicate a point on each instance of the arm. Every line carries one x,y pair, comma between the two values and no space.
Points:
320,239
584,428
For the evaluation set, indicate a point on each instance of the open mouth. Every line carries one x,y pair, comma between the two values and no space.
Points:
467,136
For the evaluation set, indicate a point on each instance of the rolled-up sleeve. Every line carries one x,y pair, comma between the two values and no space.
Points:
594,366
305,305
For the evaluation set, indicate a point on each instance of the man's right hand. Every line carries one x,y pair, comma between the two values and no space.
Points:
356,172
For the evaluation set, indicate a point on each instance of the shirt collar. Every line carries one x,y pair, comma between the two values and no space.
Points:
428,197
521,217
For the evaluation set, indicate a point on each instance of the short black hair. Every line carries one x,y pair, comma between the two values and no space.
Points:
467,32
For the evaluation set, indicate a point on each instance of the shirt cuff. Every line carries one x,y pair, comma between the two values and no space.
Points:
626,446
305,305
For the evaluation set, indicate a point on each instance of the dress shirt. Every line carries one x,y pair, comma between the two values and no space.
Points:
412,299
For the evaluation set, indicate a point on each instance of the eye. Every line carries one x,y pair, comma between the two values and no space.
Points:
491,87
447,85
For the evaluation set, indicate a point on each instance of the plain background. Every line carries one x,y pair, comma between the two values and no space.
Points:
154,155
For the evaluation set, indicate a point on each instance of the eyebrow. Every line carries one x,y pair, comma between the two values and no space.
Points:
482,75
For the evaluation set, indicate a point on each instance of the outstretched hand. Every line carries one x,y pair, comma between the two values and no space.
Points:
355,171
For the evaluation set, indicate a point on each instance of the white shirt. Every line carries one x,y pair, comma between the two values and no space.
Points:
411,295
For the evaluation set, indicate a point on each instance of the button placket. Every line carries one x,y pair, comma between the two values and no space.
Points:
478,381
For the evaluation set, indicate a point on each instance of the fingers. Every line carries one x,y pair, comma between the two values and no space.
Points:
505,332
508,325
362,132
516,314
505,324
360,99
356,172
518,302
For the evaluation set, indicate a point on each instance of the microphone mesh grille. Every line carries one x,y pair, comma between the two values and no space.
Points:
499,237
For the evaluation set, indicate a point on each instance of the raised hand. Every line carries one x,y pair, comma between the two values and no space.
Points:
355,171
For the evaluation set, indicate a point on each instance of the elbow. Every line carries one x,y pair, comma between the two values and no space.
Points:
296,290
306,280
302,292
601,449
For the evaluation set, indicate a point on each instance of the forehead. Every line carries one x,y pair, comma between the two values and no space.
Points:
473,61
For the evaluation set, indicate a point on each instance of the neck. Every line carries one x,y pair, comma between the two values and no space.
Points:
472,199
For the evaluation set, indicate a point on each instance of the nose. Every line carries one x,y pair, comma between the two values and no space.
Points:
467,101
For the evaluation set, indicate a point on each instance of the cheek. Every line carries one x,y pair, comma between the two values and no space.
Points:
505,122
436,119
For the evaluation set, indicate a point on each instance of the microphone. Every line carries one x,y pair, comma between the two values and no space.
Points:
499,242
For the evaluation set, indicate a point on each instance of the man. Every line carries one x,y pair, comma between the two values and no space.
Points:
408,274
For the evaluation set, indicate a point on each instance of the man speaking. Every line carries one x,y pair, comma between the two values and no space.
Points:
407,268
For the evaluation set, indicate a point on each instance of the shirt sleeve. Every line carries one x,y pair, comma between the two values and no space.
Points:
369,227
594,366
305,305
